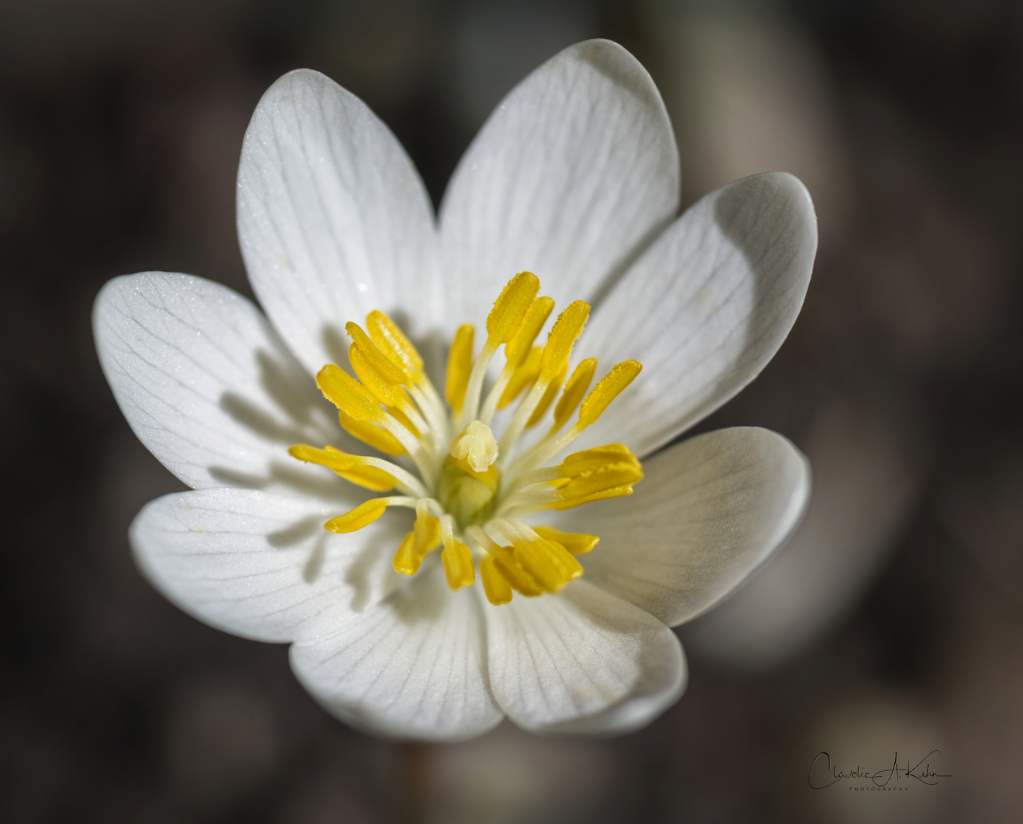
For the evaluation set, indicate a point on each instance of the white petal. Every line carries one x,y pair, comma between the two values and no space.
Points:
705,308
575,169
261,565
582,661
413,666
206,384
709,512
333,219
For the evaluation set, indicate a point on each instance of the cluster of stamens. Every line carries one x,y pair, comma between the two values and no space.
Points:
471,493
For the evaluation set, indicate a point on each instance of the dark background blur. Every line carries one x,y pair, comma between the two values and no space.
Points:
892,622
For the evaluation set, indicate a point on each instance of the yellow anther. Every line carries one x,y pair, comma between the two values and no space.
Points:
511,307
388,337
370,433
369,477
384,390
512,571
568,567
331,458
567,328
349,467
578,543
575,390
588,460
348,395
605,477
406,559
390,371
607,452
363,515
547,398
607,389
459,366
497,589
524,376
614,492
476,445
457,564
426,531
519,347
548,563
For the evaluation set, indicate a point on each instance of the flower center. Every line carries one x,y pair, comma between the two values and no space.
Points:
469,480
471,490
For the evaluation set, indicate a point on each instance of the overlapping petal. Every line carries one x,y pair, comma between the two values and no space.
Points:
582,662
574,171
709,512
414,665
333,219
260,565
206,383
705,308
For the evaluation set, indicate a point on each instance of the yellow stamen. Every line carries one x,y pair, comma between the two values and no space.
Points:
384,390
566,330
406,559
456,557
390,340
615,492
520,346
372,434
495,586
578,543
424,537
511,307
547,398
606,477
599,456
591,475
460,366
388,369
575,389
549,563
524,375
348,395
363,515
426,531
458,565
349,467
513,572
505,564
607,389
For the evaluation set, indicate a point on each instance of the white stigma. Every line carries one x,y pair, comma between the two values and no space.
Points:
476,445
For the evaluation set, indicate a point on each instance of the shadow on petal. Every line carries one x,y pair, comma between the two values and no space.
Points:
296,533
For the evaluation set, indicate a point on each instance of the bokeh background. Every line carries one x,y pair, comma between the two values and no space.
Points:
891,622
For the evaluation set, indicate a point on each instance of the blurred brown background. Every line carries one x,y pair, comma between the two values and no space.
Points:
892,622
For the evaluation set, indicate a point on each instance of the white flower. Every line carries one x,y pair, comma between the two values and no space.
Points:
574,177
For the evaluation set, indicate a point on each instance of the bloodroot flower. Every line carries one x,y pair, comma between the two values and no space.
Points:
523,547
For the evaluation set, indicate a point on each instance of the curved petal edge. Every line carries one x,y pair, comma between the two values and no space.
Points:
705,308
709,512
571,177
